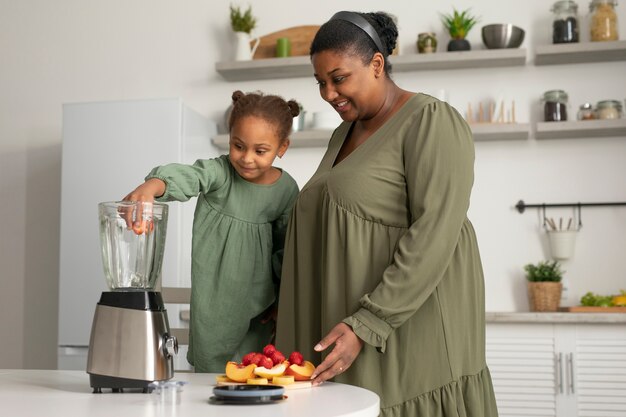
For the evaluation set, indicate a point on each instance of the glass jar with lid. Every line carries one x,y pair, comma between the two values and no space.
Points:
586,112
603,25
609,109
555,106
565,24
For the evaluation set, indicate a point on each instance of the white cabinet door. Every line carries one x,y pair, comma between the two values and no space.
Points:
600,370
521,358
558,370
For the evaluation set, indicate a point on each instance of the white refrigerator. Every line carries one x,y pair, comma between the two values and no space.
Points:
108,148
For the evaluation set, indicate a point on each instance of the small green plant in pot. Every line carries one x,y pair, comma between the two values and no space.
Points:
458,24
242,21
544,285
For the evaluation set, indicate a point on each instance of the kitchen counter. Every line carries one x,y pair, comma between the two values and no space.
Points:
532,317
53,393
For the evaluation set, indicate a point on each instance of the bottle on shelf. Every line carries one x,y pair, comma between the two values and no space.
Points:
603,25
586,112
609,109
555,106
565,23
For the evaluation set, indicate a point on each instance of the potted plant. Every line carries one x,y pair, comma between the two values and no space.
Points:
458,25
242,23
544,285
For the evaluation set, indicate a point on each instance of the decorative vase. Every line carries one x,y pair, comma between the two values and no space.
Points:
426,43
544,296
244,50
562,243
459,45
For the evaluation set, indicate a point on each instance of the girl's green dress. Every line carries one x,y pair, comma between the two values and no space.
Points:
236,255
381,241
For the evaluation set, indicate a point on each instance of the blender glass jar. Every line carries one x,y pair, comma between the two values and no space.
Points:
603,25
132,240
565,24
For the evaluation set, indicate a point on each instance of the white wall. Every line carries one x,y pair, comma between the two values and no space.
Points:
87,50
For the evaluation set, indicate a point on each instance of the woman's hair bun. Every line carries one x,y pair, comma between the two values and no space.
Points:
294,107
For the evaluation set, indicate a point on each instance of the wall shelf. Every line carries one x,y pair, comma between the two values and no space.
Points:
482,58
581,129
319,137
500,131
300,66
571,53
302,139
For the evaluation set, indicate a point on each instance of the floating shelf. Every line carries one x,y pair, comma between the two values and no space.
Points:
581,129
482,58
571,53
300,66
319,138
500,131
302,139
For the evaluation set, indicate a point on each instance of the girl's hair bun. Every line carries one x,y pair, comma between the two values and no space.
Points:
294,108
237,95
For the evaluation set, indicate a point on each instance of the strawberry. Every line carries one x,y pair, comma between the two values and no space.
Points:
277,357
266,362
247,359
257,358
296,358
268,350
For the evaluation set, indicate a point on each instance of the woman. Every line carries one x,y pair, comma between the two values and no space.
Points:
382,271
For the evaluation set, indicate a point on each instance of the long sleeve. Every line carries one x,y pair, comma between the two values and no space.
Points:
279,230
187,181
438,163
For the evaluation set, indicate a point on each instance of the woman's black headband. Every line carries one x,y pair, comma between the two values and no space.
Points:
362,23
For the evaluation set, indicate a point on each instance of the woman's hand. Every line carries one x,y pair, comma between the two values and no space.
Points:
146,192
347,348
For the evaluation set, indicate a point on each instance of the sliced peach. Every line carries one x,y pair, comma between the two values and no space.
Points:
239,373
272,372
283,380
256,381
301,372
222,378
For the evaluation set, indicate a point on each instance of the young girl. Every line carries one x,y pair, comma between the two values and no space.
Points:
238,229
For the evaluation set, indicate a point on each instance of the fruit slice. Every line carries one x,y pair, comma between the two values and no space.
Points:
283,380
301,372
222,378
272,372
239,373
256,381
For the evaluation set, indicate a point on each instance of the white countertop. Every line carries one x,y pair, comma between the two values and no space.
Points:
534,317
52,393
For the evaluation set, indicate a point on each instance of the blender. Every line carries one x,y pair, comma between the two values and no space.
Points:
130,344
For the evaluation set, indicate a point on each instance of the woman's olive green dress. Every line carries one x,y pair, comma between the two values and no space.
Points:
382,242
238,236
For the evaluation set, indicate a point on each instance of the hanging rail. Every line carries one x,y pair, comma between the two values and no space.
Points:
521,206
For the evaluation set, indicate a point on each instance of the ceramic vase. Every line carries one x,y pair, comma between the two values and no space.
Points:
244,50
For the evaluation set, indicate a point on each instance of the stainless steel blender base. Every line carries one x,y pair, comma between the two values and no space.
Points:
129,348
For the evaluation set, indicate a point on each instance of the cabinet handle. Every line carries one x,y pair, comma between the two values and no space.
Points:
570,362
559,371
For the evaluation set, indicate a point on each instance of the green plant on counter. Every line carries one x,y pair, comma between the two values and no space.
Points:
544,271
459,24
242,21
